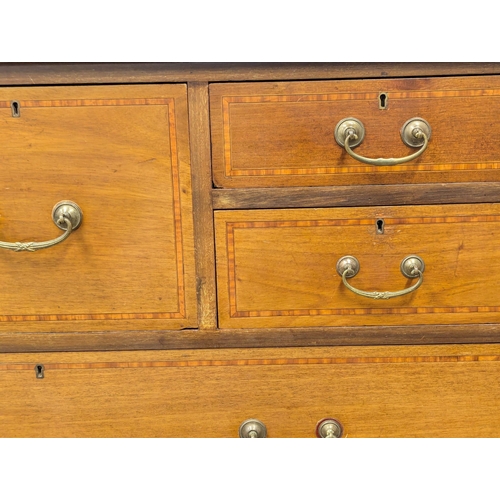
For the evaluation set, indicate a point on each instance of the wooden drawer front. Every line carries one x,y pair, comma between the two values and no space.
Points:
282,134
427,391
121,153
277,268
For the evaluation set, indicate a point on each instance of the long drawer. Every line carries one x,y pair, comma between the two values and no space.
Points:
121,154
419,391
282,133
280,268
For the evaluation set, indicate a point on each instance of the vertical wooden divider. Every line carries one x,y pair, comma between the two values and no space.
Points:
199,132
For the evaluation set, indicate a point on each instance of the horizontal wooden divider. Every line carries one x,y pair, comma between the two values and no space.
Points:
352,196
250,338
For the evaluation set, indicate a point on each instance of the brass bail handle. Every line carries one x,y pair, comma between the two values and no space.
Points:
66,215
415,133
411,267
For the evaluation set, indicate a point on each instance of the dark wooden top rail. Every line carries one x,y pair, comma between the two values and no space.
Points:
106,73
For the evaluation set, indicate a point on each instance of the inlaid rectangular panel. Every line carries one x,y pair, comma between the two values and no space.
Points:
122,154
277,268
424,391
282,134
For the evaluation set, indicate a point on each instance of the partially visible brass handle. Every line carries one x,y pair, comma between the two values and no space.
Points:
329,428
411,267
416,132
66,215
252,428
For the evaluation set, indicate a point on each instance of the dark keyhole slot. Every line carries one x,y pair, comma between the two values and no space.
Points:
39,371
382,101
16,112
380,226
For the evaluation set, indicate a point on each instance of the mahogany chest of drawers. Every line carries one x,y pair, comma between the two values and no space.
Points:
254,247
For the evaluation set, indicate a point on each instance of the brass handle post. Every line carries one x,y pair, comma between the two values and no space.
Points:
67,215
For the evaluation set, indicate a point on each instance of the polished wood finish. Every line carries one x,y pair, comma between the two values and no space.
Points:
122,154
391,392
226,338
105,73
123,316
356,196
199,126
282,134
277,268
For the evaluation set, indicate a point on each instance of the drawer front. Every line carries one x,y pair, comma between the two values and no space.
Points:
440,391
282,134
121,153
277,268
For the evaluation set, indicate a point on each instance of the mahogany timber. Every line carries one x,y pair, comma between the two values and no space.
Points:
122,154
196,388
440,391
277,268
199,127
356,196
282,133
250,337
105,73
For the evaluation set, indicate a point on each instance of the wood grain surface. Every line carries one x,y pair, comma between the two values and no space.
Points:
250,338
440,391
276,268
134,288
356,196
282,134
122,154
105,73
199,125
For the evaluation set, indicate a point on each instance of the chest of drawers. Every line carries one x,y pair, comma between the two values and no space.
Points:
234,261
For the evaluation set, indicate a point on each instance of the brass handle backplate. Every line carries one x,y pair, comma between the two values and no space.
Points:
67,215
415,133
411,267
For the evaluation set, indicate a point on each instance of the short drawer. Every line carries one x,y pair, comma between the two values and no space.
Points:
282,134
278,268
425,391
121,154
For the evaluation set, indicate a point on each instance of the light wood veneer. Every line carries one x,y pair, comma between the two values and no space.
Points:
282,133
277,268
179,310
122,154
375,392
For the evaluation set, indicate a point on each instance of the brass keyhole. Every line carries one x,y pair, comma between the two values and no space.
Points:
16,109
39,371
382,100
